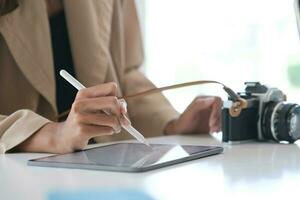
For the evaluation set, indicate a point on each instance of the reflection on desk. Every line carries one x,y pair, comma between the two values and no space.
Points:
262,161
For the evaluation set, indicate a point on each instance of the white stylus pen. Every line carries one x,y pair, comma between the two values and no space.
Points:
130,129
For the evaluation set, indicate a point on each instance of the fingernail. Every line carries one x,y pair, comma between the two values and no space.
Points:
214,130
125,121
117,129
123,105
123,111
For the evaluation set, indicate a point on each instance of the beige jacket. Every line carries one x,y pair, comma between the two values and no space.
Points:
106,46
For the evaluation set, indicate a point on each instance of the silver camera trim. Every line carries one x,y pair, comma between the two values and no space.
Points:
272,121
272,94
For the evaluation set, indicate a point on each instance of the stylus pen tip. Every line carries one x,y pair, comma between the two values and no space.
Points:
146,143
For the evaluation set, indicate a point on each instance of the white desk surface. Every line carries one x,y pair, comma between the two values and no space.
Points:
244,171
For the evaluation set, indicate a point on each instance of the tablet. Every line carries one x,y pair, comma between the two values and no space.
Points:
127,157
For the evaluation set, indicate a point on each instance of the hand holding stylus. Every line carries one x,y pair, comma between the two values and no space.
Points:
85,121
124,121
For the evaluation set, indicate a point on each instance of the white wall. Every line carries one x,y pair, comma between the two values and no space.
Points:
231,41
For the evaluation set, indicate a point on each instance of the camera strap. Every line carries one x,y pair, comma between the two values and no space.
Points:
237,105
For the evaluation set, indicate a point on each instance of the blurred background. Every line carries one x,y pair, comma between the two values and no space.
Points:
230,41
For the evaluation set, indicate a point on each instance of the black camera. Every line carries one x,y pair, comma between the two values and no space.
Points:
267,116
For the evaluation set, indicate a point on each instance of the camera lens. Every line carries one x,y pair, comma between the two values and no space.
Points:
281,121
294,123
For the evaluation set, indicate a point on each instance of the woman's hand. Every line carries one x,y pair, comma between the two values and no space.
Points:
203,115
85,121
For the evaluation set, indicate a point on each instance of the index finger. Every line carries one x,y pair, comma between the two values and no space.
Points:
215,116
106,89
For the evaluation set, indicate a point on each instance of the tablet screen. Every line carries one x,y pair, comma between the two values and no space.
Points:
127,156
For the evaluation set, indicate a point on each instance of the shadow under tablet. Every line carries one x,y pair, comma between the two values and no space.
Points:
127,157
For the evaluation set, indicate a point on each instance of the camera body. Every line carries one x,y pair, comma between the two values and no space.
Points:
267,116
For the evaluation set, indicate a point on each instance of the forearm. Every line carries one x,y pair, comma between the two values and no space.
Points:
42,140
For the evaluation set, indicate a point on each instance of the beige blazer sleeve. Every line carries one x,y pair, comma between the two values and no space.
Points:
17,127
149,114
